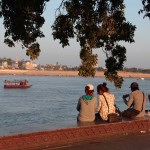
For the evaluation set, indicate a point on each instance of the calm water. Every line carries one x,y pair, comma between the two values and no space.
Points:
50,103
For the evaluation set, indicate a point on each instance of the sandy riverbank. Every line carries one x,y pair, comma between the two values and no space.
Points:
68,73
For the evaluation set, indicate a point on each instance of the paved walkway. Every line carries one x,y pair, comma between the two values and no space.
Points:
65,137
140,141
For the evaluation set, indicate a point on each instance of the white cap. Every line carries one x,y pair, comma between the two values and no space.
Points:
91,87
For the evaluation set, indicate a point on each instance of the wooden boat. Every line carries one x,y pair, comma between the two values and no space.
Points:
16,84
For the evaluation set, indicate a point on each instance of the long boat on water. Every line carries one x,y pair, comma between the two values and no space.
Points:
16,84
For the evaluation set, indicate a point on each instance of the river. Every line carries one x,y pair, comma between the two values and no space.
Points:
51,102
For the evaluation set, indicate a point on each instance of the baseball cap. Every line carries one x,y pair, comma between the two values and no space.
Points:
91,87
134,84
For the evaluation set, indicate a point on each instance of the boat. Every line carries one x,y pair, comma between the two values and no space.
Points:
16,84
140,79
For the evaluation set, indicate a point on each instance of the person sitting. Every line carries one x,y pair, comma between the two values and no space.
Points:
87,105
136,100
106,102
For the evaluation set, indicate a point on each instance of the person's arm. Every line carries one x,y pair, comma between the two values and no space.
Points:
128,102
124,98
78,105
99,104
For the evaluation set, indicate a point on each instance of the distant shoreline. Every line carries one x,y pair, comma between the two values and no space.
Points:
69,73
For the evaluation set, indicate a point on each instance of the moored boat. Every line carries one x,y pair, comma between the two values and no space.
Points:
16,84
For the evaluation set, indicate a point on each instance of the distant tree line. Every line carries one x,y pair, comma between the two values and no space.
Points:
138,70
141,70
67,68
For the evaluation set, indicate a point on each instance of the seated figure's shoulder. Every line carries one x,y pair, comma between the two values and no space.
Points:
136,92
94,97
100,96
81,97
112,96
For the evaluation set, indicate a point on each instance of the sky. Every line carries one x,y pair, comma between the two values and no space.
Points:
138,53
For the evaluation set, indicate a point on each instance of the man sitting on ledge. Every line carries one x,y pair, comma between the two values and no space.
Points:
136,102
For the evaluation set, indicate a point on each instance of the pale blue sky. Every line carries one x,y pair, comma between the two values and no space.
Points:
138,53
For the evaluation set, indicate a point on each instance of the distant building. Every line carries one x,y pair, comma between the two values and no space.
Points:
60,68
4,65
15,65
50,67
29,65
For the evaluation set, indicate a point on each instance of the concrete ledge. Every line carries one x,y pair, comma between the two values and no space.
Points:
70,135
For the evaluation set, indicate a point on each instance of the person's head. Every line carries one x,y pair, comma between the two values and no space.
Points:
134,86
101,88
89,89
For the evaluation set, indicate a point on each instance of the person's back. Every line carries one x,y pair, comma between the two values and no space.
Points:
86,105
136,102
104,107
139,102
87,109
106,101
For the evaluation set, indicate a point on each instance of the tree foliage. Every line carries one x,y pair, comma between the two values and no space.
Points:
22,21
96,24
146,8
